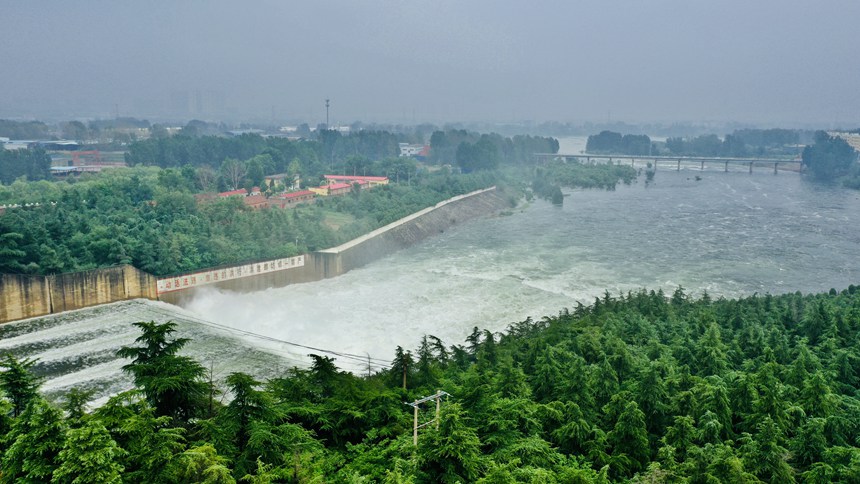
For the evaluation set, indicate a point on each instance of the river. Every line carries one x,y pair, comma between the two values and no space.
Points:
730,234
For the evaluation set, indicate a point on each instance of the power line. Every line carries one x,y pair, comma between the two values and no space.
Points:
417,404
364,359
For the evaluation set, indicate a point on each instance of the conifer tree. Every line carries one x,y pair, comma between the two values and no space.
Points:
452,453
401,367
630,437
34,444
172,384
18,382
89,455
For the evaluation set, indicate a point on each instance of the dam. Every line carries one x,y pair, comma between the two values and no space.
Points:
730,234
81,319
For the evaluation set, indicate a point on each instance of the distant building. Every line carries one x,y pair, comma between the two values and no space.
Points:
291,199
51,145
240,132
371,181
255,202
234,193
332,189
414,151
59,145
282,179
16,145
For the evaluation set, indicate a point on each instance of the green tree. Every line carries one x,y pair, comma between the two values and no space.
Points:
18,382
452,453
809,444
75,130
711,352
11,254
202,464
401,366
829,157
152,445
764,456
172,384
246,415
89,455
681,434
630,437
34,442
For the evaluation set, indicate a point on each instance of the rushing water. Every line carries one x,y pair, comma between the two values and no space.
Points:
729,234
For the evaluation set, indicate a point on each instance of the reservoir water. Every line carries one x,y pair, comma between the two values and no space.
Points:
730,234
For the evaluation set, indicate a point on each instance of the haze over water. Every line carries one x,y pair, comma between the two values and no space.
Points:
730,234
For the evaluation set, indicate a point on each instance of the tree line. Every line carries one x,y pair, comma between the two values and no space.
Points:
610,142
149,217
831,158
640,387
548,179
740,143
32,164
473,151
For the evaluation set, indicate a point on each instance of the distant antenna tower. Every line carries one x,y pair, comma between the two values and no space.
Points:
326,114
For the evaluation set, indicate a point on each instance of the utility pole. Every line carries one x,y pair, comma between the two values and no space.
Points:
326,115
417,403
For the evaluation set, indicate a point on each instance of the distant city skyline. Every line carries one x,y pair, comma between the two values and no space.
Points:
769,63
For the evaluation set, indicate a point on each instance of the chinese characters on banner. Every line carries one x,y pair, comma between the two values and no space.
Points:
187,281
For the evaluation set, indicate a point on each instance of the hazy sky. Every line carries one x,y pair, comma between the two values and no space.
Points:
755,61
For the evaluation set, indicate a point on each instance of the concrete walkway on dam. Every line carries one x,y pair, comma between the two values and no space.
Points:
409,218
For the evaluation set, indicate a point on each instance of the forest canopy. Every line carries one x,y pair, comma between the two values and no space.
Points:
642,387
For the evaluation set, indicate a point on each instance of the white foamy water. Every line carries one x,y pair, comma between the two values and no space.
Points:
78,348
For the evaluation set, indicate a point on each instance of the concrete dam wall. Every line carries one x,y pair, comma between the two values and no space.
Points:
414,228
24,296
333,262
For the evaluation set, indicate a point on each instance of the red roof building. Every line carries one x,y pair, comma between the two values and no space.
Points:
255,202
240,192
292,199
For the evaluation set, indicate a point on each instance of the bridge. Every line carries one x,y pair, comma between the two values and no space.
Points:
676,161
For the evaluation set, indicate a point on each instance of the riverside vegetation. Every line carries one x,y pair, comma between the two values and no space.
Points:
642,387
